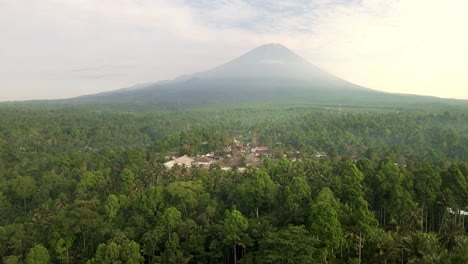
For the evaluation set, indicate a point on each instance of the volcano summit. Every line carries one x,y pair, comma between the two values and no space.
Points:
269,74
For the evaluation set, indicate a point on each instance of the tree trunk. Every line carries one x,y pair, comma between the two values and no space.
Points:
84,241
360,245
427,220
256,211
341,250
235,254
463,223
385,216
442,222
422,218
244,251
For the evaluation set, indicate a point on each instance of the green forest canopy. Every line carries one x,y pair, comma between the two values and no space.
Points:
88,186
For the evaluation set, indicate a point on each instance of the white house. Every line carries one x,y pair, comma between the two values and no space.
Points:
181,161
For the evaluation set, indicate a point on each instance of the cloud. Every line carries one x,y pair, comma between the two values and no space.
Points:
409,46
400,46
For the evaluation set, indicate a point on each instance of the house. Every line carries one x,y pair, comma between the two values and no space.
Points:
181,161
203,161
239,169
320,155
227,149
260,149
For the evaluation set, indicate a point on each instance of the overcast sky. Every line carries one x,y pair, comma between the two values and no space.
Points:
66,48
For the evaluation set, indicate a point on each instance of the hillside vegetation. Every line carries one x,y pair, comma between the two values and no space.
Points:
88,185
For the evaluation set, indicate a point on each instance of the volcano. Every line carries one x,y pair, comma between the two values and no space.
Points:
270,74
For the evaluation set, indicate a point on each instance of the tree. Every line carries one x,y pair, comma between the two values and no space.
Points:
293,192
173,254
50,185
112,206
152,200
107,254
292,244
451,236
454,180
127,179
357,217
114,253
427,183
24,187
81,219
186,195
324,222
234,226
382,247
394,187
61,249
38,255
422,248
365,166
13,259
91,184
131,253
258,190
171,220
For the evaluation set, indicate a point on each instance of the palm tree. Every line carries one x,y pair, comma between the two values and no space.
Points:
421,247
451,235
178,258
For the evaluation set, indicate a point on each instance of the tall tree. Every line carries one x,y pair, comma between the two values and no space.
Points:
23,187
258,190
235,224
394,187
293,244
427,183
325,224
38,255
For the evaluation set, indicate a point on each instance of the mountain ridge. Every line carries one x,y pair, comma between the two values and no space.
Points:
267,74
272,61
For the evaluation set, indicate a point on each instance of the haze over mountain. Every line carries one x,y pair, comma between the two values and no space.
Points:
270,73
267,61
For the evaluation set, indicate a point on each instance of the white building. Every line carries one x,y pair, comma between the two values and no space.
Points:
181,161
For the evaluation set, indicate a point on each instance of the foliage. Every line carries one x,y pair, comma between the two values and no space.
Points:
89,186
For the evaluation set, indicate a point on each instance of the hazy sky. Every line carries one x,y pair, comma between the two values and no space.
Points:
65,48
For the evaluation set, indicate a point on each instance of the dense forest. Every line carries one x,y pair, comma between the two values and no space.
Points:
83,185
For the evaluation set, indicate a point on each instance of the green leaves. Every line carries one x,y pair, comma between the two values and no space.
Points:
151,200
23,187
91,185
325,224
171,219
293,244
113,253
258,190
112,206
38,255
235,224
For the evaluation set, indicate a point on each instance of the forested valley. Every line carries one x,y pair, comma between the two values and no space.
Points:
84,185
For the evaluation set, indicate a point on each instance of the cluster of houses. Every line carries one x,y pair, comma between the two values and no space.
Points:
204,161
239,155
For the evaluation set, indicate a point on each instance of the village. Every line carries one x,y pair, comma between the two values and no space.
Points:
238,155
